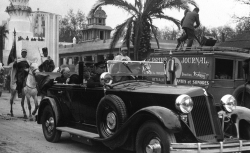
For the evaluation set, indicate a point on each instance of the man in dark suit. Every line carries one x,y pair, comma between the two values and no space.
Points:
188,26
94,81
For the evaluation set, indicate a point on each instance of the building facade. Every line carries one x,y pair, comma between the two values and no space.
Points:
34,30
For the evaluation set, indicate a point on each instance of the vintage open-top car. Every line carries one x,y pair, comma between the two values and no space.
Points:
132,112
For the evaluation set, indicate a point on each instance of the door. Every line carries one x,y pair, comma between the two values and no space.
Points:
88,104
222,82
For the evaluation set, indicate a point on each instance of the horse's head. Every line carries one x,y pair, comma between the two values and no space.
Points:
34,67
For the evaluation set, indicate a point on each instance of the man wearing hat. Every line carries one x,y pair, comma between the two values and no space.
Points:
22,67
123,55
47,63
94,81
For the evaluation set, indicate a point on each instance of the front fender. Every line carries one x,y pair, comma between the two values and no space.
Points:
164,116
167,117
48,101
240,113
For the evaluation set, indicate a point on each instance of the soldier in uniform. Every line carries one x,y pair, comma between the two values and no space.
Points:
22,67
47,63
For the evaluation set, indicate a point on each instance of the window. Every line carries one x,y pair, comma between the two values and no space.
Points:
223,69
240,72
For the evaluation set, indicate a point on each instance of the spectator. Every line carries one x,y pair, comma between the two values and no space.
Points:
123,55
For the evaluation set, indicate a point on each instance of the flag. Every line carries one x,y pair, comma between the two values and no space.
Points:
12,55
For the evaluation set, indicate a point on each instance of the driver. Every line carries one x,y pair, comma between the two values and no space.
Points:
94,81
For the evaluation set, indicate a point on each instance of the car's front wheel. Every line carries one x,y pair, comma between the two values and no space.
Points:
111,114
49,125
152,137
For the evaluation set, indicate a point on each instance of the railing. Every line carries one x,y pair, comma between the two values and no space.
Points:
204,48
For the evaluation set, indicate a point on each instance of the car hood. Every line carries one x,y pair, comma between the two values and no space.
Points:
169,89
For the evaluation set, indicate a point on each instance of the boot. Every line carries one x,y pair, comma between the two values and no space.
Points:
189,44
178,43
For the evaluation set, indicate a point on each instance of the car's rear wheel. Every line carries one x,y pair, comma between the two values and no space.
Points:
152,137
111,114
49,125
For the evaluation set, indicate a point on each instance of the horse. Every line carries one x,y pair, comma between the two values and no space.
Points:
29,90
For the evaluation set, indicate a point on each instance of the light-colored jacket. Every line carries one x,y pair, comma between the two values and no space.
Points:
190,19
122,58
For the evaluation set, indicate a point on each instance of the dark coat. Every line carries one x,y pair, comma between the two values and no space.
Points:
94,81
190,19
47,66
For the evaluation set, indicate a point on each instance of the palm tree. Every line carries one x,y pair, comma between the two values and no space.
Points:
138,28
3,35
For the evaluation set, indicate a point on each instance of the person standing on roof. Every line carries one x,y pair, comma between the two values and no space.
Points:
188,26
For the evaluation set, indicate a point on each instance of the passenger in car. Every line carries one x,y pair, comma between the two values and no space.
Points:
65,74
94,81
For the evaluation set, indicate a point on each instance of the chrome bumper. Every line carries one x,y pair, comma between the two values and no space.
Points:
232,146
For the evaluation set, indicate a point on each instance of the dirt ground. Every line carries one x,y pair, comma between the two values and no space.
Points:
19,135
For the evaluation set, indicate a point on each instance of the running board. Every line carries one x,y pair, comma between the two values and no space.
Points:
80,136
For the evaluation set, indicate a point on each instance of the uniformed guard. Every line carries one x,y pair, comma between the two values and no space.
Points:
22,67
47,63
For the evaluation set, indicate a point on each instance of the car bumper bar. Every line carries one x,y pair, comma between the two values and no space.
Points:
232,146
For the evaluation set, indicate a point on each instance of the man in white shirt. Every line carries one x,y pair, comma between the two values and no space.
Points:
123,55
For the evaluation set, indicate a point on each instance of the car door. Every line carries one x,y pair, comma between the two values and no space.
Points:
88,104
70,100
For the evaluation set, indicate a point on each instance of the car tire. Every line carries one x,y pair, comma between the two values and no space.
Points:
238,95
152,136
111,114
49,125
244,132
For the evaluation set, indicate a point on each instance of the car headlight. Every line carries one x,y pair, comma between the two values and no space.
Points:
229,103
184,103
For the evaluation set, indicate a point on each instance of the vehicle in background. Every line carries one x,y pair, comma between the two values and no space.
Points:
218,69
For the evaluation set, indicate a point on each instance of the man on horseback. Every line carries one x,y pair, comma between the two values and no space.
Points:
22,66
47,63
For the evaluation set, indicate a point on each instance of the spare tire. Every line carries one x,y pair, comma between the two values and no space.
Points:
111,114
238,93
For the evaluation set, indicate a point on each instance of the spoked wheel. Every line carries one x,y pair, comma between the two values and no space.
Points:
238,94
111,114
153,138
49,125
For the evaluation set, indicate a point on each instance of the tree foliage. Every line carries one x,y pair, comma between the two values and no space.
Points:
169,33
139,27
3,34
70,26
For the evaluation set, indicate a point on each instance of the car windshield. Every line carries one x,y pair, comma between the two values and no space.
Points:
130,70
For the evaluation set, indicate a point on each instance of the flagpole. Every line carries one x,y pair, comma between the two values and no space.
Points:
15,40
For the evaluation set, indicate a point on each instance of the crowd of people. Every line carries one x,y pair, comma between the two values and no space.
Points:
91,70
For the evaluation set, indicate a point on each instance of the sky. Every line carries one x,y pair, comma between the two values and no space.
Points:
213,13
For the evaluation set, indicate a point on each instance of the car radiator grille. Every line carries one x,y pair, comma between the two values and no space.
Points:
203,120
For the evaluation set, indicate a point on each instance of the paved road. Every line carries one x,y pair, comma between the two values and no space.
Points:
19,135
